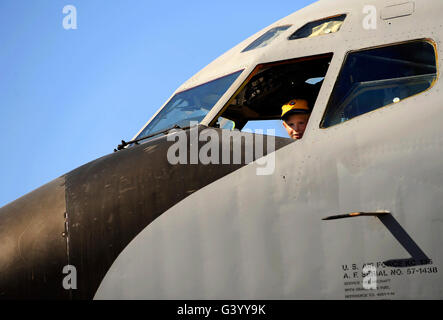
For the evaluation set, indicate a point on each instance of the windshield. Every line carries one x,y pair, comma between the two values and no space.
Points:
190,105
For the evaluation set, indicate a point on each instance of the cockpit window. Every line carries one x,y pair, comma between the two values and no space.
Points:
190,105
266,39
318,28
258,103
374,78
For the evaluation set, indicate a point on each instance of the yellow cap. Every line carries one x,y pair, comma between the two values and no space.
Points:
295,106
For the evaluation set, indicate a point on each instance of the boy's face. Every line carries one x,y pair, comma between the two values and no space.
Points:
295,125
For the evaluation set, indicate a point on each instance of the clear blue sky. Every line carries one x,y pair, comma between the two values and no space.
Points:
69,96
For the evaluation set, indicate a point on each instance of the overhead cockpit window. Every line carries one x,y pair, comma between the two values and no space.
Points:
318,28
374,78
190,105
266,39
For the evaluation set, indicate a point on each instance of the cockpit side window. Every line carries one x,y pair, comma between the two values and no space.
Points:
258,102
374,78
318,28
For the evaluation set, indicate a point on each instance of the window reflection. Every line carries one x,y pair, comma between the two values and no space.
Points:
190,105
318,28
266,39
371,79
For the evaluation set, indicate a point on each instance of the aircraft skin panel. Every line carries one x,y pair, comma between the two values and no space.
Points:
109,201
87,217
351,36
33,244
255,242
263,237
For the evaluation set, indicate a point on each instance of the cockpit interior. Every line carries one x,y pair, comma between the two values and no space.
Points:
272,85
